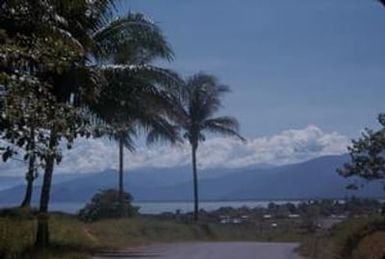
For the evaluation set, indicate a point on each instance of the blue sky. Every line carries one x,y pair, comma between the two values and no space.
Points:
306,77
290,63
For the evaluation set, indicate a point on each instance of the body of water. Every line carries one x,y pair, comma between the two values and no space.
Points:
159,207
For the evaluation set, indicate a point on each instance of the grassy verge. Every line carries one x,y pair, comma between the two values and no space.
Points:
355,238
72,238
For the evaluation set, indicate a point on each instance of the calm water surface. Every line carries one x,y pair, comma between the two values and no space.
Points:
159,207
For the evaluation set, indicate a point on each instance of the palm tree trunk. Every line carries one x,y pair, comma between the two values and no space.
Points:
30,177
195,176
121,154
42,234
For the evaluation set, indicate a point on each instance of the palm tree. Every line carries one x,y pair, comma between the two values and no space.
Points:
121,48
198,102
141,106
132,95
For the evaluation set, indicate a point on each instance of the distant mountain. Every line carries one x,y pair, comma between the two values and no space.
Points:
312,179
9,181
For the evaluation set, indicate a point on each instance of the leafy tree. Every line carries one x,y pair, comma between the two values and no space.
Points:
30,121
49,48
108,204
367,155
196,105
37,56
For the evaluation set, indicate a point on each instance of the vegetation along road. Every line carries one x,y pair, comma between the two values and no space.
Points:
220,250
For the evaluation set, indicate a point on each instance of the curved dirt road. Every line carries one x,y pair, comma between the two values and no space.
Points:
223,250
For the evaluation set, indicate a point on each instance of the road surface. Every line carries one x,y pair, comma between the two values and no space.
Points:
223,250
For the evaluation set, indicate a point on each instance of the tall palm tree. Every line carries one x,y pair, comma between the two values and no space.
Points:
199,100
135,96
141,106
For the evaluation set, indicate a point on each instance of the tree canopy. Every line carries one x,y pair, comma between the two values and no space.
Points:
367,155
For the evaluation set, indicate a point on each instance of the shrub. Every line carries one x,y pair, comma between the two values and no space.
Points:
352,232
108,204
18,213
371,247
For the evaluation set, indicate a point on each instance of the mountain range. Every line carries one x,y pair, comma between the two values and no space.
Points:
313,179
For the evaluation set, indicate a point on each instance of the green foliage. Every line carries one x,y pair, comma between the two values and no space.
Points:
142,105
350,233
108,204
35,58
197,103
367,156
130,39
131,43
344,240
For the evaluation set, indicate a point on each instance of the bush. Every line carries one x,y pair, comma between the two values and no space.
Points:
354,238
356,231
18,213
371,247
108,204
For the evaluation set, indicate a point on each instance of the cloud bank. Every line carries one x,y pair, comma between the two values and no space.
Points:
289,146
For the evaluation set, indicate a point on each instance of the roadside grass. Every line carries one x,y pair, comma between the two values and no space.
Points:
355,238
371,247
72,238
16,235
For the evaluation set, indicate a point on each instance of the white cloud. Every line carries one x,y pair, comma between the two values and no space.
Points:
290,146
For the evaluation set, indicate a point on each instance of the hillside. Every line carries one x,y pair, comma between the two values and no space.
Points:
312,179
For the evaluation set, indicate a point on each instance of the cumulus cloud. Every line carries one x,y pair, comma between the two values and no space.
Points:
290,146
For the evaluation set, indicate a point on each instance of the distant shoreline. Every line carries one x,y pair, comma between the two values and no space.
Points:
259,200
158,207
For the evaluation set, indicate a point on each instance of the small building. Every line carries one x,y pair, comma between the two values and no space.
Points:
294,216
236,221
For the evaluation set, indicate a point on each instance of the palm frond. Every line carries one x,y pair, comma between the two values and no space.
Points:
101,12
224,121
200,99
204,95
225,125
83,17
205,83
217,128
159,76
161,130
125,132
143,100
134,30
